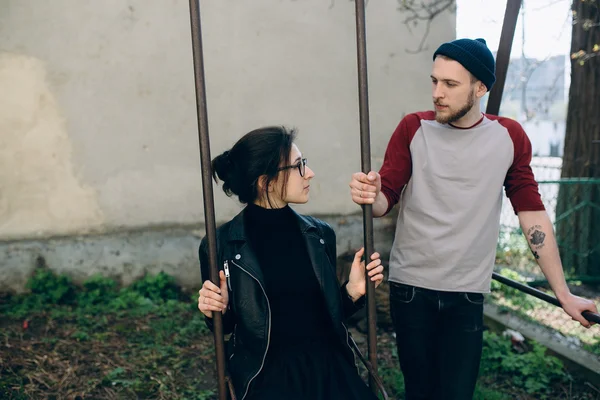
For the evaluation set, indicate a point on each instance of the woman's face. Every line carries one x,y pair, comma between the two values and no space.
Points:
298,184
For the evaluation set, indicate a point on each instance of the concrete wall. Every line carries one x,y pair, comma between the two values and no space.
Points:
97,106
98,128
129,255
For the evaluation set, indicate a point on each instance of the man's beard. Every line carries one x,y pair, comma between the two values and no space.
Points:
453,117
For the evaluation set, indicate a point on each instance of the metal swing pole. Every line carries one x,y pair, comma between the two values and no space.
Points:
493,107
503,57
365,147
207,188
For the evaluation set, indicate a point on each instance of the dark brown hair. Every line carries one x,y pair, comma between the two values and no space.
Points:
259,152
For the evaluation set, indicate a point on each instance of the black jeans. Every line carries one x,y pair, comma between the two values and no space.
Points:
439,337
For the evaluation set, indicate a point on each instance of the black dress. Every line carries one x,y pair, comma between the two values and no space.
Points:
305,359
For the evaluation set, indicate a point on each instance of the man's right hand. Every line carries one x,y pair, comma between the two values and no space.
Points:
213,298
365,188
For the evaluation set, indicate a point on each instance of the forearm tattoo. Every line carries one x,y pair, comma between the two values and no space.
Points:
536,238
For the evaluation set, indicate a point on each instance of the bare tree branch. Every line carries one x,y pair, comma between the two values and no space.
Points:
548,5
422,46
422,11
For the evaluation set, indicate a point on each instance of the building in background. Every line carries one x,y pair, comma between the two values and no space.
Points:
535,94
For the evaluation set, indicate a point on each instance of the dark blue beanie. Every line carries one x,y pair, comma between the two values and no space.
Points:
474,55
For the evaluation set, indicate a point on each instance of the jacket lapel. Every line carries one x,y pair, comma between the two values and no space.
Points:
315,246
242,253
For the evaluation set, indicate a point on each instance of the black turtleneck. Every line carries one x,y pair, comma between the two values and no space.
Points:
298,310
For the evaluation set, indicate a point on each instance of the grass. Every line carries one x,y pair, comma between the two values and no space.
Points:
148,341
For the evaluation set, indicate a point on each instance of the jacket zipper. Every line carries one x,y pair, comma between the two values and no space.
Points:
227,275
226,270
268,333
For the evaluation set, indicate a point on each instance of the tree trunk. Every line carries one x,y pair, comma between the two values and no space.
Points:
578,207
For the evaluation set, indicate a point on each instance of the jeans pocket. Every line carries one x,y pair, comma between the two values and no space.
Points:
402,293
474,298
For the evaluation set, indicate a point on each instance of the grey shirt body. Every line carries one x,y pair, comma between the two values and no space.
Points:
449,208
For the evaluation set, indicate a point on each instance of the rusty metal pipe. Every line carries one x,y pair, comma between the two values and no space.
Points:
503,57
207,188
365,147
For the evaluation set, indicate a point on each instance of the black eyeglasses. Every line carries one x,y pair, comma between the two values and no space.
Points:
301,165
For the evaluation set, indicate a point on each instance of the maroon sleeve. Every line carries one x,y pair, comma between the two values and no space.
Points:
397,164
520,185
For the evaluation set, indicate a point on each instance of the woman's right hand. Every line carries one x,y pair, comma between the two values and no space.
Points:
213,298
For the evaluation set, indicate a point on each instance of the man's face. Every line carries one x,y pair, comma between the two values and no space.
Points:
454,93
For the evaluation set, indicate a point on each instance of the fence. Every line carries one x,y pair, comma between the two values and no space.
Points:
573,205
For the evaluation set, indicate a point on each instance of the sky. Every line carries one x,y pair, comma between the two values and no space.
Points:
547,25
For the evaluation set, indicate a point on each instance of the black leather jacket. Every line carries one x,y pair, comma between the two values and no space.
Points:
248,317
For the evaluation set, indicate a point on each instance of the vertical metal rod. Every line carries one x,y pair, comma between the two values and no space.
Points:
207,188
503,57
365,147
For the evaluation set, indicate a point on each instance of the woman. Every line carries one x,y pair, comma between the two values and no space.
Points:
279,294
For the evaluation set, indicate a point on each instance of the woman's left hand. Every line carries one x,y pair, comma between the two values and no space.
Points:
356,286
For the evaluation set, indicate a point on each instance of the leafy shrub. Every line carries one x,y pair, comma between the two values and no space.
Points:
160,287
97,290
51,288
534,370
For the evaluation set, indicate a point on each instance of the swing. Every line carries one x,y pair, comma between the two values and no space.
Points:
224,384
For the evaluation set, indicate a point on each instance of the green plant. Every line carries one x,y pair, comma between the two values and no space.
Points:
97,290
483,393
11,387
168,350
201,395
128,299
46,290
534,370
160,287
80,336
116,377
51,288
23,305
393,379
593,348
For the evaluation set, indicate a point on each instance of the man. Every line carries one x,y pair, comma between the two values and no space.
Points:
447,168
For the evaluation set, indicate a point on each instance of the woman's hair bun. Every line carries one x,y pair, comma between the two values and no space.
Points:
223,170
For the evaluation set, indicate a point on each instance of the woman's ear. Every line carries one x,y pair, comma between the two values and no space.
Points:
262,184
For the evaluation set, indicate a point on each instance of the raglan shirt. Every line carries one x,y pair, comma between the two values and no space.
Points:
449,184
